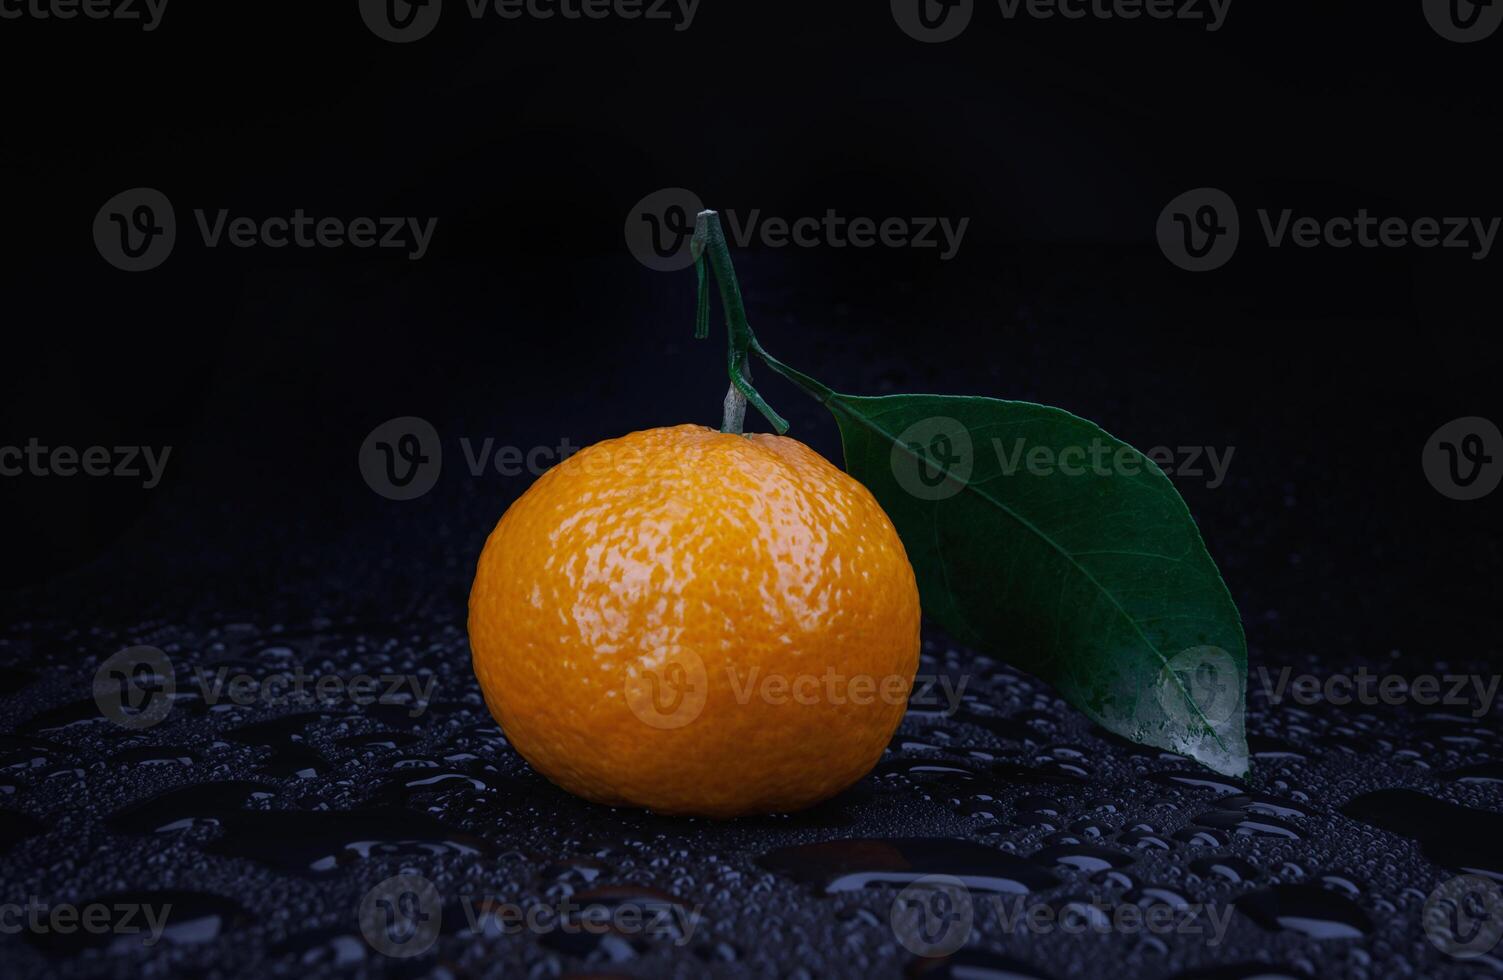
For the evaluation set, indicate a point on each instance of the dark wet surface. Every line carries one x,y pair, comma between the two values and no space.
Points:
265,826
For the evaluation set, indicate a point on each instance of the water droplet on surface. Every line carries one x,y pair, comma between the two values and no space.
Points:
1226,867
1159,895
1082,857
407,785
1086,828
922,769
1486,772
1267,749
1142,840
1307,909
1198,780
302,841
1200,837
581,871
850,865
332,947
975,964
291,756
720,952
1040,804
1267,805
1055,774
662,916
1248,825
1244,971
1115,879
186,807
1342,884
153,755
377,740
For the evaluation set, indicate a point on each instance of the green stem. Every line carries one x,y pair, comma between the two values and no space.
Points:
710,243
808,385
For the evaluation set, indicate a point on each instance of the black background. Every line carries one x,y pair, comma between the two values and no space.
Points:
530,321
530,141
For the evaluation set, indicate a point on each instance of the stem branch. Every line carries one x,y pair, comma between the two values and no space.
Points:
710,243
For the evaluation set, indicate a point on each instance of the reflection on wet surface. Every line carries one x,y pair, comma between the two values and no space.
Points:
266,826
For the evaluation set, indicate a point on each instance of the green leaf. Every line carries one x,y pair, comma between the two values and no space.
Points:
1038,537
